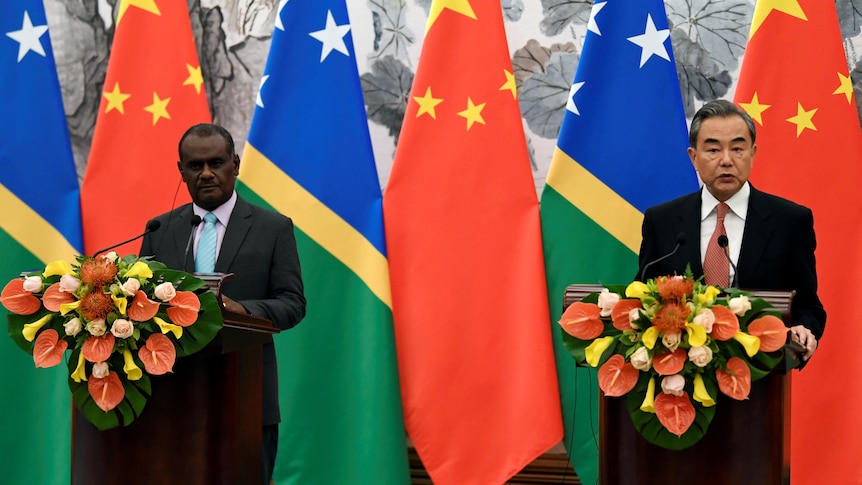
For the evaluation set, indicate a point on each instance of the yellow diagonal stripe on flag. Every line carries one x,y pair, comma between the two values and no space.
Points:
32,231
317,221
595,199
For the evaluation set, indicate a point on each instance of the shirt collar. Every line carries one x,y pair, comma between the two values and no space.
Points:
223,211
738,202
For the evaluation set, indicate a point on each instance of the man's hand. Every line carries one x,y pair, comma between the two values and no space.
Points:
233,305
804,337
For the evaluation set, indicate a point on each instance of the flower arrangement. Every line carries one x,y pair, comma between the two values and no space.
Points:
671,345
124,319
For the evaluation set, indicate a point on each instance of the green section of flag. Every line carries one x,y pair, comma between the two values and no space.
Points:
338,381
579,251
36,408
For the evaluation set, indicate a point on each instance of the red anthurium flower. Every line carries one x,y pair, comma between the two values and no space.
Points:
107,391
771,332
184,308
726,323
621,311
142,308
676,413
158,354
669,363
53,298
617,377
582,320
98,349
18,300
48,348
735,381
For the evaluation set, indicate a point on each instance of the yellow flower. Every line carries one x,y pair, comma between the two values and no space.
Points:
170,327
696,334
595,350
749,342
700,393
120,302
636,290
57,268
31,329
132,370
139,270
67,307
707,296
650,337
648,406
80,373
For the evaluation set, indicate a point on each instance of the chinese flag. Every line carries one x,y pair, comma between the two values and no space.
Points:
796,85
470,307
153,92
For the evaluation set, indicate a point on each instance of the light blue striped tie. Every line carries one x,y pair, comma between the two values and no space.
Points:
206,257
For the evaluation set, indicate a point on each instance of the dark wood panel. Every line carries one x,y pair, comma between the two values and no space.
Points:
550,468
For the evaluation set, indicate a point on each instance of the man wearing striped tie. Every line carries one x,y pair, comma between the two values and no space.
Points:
257,245
740,236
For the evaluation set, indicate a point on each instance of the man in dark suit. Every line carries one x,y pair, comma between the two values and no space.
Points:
255,244
770,240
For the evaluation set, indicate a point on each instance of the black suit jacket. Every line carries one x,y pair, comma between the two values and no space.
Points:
259,248
777,251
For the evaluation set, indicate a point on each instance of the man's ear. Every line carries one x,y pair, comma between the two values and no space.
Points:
236,164
180,168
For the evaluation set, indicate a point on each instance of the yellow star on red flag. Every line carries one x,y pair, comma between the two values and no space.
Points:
116,98
427,103
473,113
146,5
159,108
460,6
765,8
845,87
803,119
510,84
755,109
195,78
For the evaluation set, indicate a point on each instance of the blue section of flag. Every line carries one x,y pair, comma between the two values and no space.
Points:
631,131
36,162
312,123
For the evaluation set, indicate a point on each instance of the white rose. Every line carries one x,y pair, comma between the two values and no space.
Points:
705,318
33,284
674,384
122,328
112,256
607,300
670,341
72,327
634,315
165,291
69,283
700,355
739,305
97,328
101,370
641,360
131,287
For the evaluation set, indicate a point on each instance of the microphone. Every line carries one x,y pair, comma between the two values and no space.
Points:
153,226
680,240
196,220
722,243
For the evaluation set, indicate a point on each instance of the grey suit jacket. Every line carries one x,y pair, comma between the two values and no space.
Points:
259,248
777,251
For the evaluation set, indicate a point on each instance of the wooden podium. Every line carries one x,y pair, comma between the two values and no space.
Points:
201,426
747,441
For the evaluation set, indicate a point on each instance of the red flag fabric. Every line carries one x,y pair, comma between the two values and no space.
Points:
796,85
153,92
469,297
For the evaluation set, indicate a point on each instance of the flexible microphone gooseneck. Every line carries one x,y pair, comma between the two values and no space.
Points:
196,220
722,243
680,240
153,226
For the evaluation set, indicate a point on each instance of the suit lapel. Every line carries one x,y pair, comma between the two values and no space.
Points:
180,228
237,228
689,224
755,236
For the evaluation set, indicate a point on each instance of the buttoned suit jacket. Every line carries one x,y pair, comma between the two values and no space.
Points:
777,251
259,248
